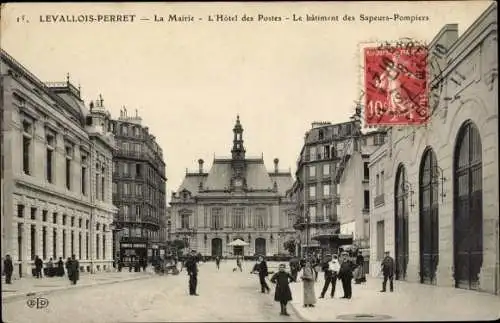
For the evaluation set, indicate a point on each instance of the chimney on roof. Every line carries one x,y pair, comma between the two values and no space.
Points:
276,161
200,164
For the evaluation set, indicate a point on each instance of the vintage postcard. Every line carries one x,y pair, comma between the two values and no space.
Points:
249,161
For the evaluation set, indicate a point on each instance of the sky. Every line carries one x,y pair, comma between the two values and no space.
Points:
189,80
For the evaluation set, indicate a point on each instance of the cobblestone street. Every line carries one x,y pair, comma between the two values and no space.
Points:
224,296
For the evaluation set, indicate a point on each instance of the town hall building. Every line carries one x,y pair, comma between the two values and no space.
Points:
236,199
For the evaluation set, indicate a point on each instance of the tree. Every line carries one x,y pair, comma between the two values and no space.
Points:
179,244
290,246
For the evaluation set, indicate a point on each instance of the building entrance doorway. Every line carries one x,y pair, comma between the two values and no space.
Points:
217,247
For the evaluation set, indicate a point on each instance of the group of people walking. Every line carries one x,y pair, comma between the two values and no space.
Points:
52,270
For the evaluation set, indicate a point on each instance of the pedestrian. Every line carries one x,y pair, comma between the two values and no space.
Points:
308,284
359,274
316,265
68,268
144,264
192,270
388,272
345,275
50,268
238,263
282,293
331,269
60,267
38,267
217,262
294,268
263,273
74,268
8,269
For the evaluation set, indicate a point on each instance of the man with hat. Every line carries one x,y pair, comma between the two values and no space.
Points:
387,269
192,270
345,275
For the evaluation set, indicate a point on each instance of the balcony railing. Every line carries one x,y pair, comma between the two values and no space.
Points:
130,154
379,200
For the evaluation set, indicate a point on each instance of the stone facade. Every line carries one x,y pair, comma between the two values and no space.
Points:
57,173
236,199
468,100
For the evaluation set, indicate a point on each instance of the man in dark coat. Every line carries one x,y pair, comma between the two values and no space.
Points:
74,268
68,268
294,268
388,272
8,269
192,270
345,275
38,267
263,272
60,267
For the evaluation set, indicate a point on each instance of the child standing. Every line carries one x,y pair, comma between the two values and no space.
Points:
283,294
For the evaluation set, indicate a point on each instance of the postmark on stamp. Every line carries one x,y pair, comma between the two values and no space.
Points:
395,85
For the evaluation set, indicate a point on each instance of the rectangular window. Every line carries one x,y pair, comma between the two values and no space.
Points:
238,218
185,221
87,224
72,221
44,215
33,213
54,243
97,246
377,185
138,170
80,223
312,213
49,164
312,191
326,189
126,189
366,171
79,245
64,219
382,182
115,188
138,189
312,171
126,170
20,211
260,218
126,213
366,200
312,153
326,152
216,218
68,173
26,154
138,212
87,246
72,241
103,183
380,240
326,169
54,217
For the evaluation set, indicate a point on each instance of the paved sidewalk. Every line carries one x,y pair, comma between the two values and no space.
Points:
22,287
408,302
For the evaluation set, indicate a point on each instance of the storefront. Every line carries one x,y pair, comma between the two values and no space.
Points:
132,250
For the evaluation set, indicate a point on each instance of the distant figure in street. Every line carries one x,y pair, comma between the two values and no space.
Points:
8,269
345,275
60,267
192,270
38,267
238,263
308,284
294,268
388,272
282,294
50,268
217,262
74,269
144,263
359,274
263,273
68,268
331,269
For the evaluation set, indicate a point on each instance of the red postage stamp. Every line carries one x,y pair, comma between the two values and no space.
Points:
396,86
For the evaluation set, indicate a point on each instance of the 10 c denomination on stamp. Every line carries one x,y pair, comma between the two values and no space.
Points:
395,85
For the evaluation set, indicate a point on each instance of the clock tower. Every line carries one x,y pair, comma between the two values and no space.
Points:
238,157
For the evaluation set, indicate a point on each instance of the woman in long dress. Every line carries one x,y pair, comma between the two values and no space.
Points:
308,285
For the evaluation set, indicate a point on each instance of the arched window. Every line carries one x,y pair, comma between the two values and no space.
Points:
468,207
429,217
401,223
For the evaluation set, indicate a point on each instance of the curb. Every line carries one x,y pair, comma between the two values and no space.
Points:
297,313
12,298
